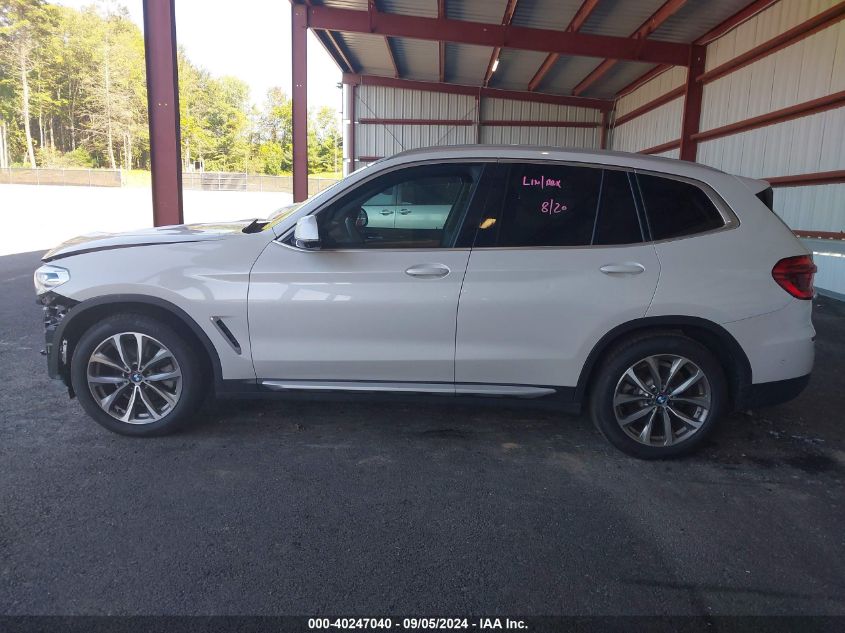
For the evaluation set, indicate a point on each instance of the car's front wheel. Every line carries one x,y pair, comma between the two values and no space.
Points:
136,375
658,396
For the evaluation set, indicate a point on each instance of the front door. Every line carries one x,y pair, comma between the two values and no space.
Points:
376,303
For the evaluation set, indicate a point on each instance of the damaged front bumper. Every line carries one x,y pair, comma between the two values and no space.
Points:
55,309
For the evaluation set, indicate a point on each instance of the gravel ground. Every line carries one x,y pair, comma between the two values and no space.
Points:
327,508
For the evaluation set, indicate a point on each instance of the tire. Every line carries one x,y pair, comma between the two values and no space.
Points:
160,406
621,409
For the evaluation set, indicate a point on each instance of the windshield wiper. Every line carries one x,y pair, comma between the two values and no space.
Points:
255,226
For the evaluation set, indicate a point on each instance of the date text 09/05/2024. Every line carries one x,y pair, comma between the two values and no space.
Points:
417,624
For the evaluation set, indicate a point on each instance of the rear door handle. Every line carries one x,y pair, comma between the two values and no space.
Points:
625,268
404,211
428,271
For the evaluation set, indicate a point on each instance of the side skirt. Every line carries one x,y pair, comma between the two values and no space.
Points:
533,396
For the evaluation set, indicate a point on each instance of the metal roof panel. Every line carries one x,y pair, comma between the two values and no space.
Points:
417,59
369,53
491,11
620,18
516,68
546,14
418,8
467,63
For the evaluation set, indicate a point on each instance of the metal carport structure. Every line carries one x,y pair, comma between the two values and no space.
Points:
723,82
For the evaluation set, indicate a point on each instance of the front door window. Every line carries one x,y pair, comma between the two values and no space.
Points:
415,208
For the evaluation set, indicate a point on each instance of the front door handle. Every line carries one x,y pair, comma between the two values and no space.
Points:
625,268
386,212
428,271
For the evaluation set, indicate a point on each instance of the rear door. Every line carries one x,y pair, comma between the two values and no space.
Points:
557,263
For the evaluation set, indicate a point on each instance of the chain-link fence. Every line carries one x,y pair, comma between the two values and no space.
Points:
78,177
228,181
204,181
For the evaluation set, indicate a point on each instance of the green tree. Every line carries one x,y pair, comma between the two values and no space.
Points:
24,24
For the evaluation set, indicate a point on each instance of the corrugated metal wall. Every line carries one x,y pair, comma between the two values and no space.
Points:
659,126
509,110
379,140
377,102
810,68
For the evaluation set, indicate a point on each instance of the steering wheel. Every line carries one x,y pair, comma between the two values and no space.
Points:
355,224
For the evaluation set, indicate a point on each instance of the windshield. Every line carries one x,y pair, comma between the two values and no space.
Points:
281,214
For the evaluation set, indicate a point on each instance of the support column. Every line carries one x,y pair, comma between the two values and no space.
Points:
348,129
299,59
604,123
692,103
163,111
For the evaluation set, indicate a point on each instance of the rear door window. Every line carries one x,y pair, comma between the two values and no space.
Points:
676,208
563,205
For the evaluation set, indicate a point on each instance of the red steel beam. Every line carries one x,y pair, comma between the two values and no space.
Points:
743,15
663,147
828,102
577,21
441,13
518,123
392,57
299,60
804,180
488,122
510,8
604,129
787,38
479,33
495,93
163,108
738,18
693,92
338,53
416,121
666,11
651,105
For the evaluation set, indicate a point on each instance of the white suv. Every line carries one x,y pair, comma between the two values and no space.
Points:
658,293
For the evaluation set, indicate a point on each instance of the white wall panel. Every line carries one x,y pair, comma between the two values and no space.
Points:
796,74
659,126
800,146
552,136
811,68
378,140
812,208
378,102
829,256
764,26
660,85
512,110
672,153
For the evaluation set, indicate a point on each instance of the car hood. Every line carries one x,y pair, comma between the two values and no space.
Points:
145,237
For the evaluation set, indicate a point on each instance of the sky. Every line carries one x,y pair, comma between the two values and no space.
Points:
249,39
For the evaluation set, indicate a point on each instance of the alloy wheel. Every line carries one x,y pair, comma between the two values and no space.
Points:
662,400
134,378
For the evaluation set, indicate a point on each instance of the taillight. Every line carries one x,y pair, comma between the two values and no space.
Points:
795,275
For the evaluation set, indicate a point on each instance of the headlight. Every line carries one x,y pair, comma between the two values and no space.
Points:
49,277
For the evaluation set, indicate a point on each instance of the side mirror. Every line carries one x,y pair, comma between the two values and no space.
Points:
306,234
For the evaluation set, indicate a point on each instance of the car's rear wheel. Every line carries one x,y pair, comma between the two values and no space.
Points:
658,396
136,375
